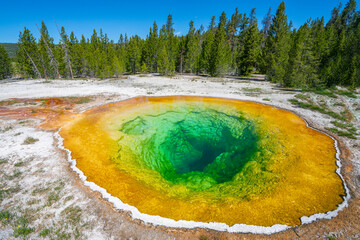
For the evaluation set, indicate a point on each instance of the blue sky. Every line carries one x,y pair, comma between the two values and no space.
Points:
136,16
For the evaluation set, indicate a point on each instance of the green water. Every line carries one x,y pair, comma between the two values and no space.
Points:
194,146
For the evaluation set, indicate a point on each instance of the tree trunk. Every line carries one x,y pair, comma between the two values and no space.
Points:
66,53
53,60
33,63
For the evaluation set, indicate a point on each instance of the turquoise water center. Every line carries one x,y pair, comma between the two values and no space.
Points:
195,146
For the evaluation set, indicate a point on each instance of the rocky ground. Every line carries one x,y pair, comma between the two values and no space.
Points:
41,197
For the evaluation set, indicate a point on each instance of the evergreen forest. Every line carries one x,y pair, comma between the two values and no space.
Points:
317,55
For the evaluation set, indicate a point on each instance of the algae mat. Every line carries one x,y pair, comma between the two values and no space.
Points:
208,160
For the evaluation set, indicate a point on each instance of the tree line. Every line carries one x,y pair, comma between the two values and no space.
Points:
315,55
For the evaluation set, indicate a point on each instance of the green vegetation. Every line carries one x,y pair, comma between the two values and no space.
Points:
315,56
5,129
5,217
302,96
342,133
312,106
16,174
80,100
3,160
257,90
326,93
348,129
45,232
5,64
23,229
19,164
30,140
73,214
342,127
347,93
11,49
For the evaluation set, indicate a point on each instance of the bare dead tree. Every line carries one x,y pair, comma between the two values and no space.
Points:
33,63
53,60
42,64
66,52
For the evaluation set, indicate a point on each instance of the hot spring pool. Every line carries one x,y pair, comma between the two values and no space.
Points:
208,162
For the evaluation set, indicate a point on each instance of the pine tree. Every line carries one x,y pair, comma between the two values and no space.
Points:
181,54
75,55
65,47
134,54
5,65
85,57
192,50
121,55
163,62
205,55
303,64
28,57
163,58
266,22
46,51
248,58
152,48
59,52
172,45
277,47
220,61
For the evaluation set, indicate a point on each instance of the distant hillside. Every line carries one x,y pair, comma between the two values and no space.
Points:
11,49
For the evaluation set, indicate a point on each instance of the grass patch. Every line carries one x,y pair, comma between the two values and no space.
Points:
252,90
53,197
326,93
39,190
45,232
60,186
314,107
5,217
81,100
63,235
30,103
346,93
16,174
6,190
5,129
22,227
3,160
339,104
33,201
73,214
19,164
348,126
68,198
342,133
30,140
302,96
266,99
